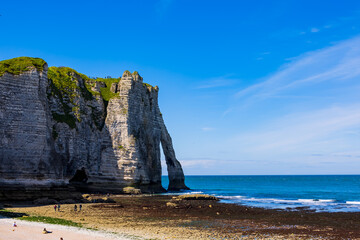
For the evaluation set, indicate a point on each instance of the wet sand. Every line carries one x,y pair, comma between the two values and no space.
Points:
151,217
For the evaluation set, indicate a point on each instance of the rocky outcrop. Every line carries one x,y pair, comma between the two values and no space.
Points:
59,128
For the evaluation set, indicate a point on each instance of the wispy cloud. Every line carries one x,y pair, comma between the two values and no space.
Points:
336,63
310,109
314,30
262,55
305,131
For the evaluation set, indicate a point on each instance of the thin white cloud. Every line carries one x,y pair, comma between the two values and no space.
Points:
307,111
314,30
307,131
335,63
207,129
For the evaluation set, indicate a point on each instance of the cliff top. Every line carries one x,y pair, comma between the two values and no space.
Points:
63,78
19,65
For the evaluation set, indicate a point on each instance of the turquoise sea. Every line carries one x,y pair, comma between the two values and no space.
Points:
322,193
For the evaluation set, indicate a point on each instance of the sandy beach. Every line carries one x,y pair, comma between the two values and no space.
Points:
160,217
33,231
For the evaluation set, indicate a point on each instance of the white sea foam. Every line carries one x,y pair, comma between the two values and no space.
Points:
198,192
326,200
319,205
306,200
231,197
315,201
353,202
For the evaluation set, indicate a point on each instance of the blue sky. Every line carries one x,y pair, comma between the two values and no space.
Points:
246,87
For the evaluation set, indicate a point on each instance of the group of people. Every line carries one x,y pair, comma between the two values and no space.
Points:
57,207
75,207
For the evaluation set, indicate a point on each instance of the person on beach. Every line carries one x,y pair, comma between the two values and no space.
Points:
44,231
14,225
55,208
80,207
75,208
58,207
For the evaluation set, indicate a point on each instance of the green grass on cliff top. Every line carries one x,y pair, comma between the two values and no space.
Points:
62,77
19,65
67,89
64,80
105,91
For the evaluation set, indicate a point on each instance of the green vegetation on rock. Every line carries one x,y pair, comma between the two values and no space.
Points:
65,79
105,91
67,118
64,86
127,72
147,85
19,65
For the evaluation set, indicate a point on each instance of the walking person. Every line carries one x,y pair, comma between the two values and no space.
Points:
55,208
58,207
80,207
75,208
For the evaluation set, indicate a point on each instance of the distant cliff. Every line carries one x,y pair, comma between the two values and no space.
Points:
59,127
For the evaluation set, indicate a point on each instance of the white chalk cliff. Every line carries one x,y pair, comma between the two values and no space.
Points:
59,127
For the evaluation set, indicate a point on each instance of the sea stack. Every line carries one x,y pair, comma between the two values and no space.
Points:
60,129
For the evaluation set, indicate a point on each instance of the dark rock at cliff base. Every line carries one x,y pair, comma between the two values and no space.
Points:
60,128
45,201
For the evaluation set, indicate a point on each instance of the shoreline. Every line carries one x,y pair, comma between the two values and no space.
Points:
160,217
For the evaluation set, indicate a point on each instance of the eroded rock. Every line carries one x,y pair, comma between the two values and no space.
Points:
196,197
59,128
131,190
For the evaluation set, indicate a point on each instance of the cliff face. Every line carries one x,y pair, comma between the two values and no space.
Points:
58,126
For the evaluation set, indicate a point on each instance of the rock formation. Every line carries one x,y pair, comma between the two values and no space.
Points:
59,128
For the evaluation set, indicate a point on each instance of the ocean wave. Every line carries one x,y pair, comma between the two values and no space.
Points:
194,192
319,205
317,200
353,202
230,197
